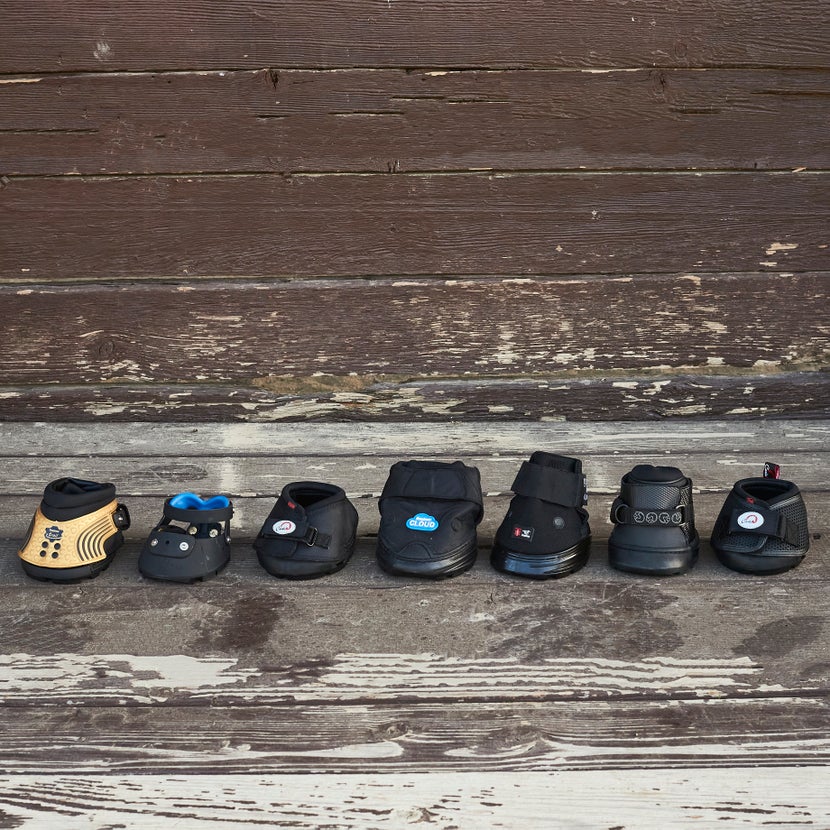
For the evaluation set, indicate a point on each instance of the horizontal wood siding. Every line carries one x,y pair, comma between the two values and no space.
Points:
413,121
92,35
375,225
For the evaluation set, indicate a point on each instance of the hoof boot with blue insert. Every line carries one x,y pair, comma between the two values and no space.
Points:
75,531
310,531
654,523
762,526
545,534
192,541
429,514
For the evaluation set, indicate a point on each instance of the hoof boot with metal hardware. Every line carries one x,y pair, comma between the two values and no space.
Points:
545,533
75,531
309,532
198,547
429,513
654,523
762,526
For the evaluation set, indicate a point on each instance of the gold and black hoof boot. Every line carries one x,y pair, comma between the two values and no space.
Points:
75,531
192,540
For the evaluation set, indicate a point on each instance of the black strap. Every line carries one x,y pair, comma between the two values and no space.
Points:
760,520
624,514
198,517
550,484
288,510
434,480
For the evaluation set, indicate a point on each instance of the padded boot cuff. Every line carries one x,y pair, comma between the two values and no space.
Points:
309,532
453,481
68,498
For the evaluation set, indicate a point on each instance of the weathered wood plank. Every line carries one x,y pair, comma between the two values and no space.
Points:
420,738
246,638
283,336
186,34
393,120
412,224
366,475
786,395
773,798
445,438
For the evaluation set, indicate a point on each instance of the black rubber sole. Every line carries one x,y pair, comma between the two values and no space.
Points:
541,565
188,579
66,576
653,562
746,563
452,564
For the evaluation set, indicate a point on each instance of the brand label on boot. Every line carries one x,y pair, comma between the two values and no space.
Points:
525,533
284,527
53,533
422,521
751,519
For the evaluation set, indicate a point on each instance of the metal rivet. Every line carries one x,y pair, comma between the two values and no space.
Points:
184,546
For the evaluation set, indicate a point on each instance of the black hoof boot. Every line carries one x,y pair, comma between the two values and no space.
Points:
654,523
310,531
198,548
429,512
75,531
762,527
545,534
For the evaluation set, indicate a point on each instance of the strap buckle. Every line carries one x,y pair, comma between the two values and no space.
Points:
310,537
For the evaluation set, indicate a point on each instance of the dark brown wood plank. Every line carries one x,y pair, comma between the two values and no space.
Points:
419,738
186,34
392,120
447,224
788,395
281,335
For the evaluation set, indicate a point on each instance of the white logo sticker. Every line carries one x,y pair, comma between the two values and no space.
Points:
750,519
284,527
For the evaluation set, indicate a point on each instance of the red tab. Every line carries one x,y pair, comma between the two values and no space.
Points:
772,470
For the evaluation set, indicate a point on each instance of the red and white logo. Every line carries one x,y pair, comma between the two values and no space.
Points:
750,520
284,527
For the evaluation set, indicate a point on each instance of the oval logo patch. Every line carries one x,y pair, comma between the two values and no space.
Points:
284,527
750,519
422,521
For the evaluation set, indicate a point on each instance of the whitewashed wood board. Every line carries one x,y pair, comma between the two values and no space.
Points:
659,799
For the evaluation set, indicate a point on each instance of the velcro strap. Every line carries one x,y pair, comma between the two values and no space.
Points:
755,518
624,514
455,482
284,515
549,484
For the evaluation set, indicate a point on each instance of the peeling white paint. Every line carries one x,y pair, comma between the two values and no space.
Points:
713,326
775,247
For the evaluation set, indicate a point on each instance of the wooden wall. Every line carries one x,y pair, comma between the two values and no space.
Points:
401,210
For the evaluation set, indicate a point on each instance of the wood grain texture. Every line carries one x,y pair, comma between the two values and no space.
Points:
412,224
280,335
788,395
421,738
101,35
771,798
393,120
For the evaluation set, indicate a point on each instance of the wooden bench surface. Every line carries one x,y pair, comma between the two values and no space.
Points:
481,701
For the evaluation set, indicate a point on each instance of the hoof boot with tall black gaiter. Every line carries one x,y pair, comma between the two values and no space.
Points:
429,514
654,523
192,540
75,531
762,526
545,533
309,532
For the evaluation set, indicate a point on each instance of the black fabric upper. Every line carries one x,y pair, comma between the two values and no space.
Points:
547,514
